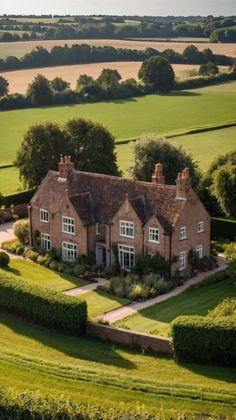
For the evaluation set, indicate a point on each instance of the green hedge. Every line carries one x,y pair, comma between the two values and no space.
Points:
223,229
29,406
210,339
43,306
20,198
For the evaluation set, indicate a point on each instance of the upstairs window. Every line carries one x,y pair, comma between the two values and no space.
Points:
200,227
199,251
68,225
43,215
183,233
126,229
154,235
182,261
45,241
69,251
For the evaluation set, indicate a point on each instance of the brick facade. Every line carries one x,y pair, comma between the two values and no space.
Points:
137,217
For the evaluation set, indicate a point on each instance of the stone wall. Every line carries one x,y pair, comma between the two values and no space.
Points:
130,338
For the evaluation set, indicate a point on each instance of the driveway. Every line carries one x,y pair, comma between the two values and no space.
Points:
6,232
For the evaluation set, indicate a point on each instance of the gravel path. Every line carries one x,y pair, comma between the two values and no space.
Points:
6,232
78,291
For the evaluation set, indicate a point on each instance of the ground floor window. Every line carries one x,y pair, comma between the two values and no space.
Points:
45,241
69,251
182,260
126,257
199,251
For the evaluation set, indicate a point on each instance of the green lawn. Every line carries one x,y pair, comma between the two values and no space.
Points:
157,318
95,372
9,181
100,303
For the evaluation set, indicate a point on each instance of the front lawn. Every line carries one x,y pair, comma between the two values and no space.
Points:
42,276
198,301
100,303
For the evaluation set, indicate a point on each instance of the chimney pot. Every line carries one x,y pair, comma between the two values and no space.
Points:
183,184
65,166
158,177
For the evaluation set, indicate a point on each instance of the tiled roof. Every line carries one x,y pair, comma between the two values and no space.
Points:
97,197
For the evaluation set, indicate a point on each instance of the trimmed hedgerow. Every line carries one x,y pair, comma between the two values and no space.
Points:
223,229
43,306
210,339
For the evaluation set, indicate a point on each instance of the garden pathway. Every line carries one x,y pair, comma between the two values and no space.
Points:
78,291
6,232
133,308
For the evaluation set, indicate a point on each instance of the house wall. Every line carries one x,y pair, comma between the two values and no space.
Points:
152,248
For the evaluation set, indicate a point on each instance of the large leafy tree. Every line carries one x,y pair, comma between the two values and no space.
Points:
92,145
224,188
59,85
151,149
157,73
109,78
39,152
40,91
4,86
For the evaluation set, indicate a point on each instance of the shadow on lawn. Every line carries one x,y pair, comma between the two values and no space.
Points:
75,347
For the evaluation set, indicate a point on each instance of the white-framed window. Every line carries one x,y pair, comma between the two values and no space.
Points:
126,257
182,260
69,251
199,251
154,235
97,229
68,225
43,215
183,233
200,227
126,229
45,241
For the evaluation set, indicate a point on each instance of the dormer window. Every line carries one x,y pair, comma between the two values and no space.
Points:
68,225
200,227
154,235
126,229
183,233
44,217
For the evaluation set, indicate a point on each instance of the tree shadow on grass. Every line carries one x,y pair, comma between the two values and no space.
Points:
181,93
10,270
212,371
90,350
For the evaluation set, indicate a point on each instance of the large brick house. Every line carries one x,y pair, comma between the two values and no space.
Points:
83,213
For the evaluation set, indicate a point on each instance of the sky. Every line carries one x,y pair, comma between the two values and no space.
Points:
120,7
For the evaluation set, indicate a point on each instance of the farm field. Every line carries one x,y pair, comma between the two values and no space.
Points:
20,79
99,373
9,181
18,49
157,318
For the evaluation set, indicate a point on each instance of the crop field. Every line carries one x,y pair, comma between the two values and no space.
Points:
99,373
19,80
157,318
18,49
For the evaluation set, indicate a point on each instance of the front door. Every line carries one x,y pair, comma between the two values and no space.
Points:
101,255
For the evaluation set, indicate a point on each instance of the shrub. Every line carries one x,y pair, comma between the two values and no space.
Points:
53,265
4,259
207,340
11,246
43,306
32,255
21,231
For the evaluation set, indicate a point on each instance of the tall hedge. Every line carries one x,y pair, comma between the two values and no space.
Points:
210,339
43,306
223,229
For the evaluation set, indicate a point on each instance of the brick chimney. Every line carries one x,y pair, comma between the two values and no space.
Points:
183,184
65,166
158,177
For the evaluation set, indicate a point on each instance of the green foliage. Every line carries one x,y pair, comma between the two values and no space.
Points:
223,229
40,91
59,85
43,306
4,259
224,188
151,149
157,264
208,69
32,255
14,246
4,86
109,78
207,340
158,73
21,231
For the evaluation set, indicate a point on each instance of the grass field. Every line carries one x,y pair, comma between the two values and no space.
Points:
156,319
100,373
18,49
9,181
19,80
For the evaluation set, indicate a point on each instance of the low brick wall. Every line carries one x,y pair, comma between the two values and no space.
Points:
129,338
19,209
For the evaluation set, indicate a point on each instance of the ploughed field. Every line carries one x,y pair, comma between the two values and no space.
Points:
18,49
174,113
19,79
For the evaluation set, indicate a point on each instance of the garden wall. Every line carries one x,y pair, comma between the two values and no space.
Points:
129,338
8,213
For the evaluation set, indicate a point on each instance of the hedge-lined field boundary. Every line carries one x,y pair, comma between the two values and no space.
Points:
43,306
223,229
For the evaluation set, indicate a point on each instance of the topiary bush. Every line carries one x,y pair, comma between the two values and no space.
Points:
21,231
4,259
43,306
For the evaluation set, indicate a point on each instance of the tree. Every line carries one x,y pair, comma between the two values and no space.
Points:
224,188
93,147
39,152
158,73
59,85
4,86
208,69
83,81
40,91
151,149
109,78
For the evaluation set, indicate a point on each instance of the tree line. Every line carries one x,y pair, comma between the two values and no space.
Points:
84,54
